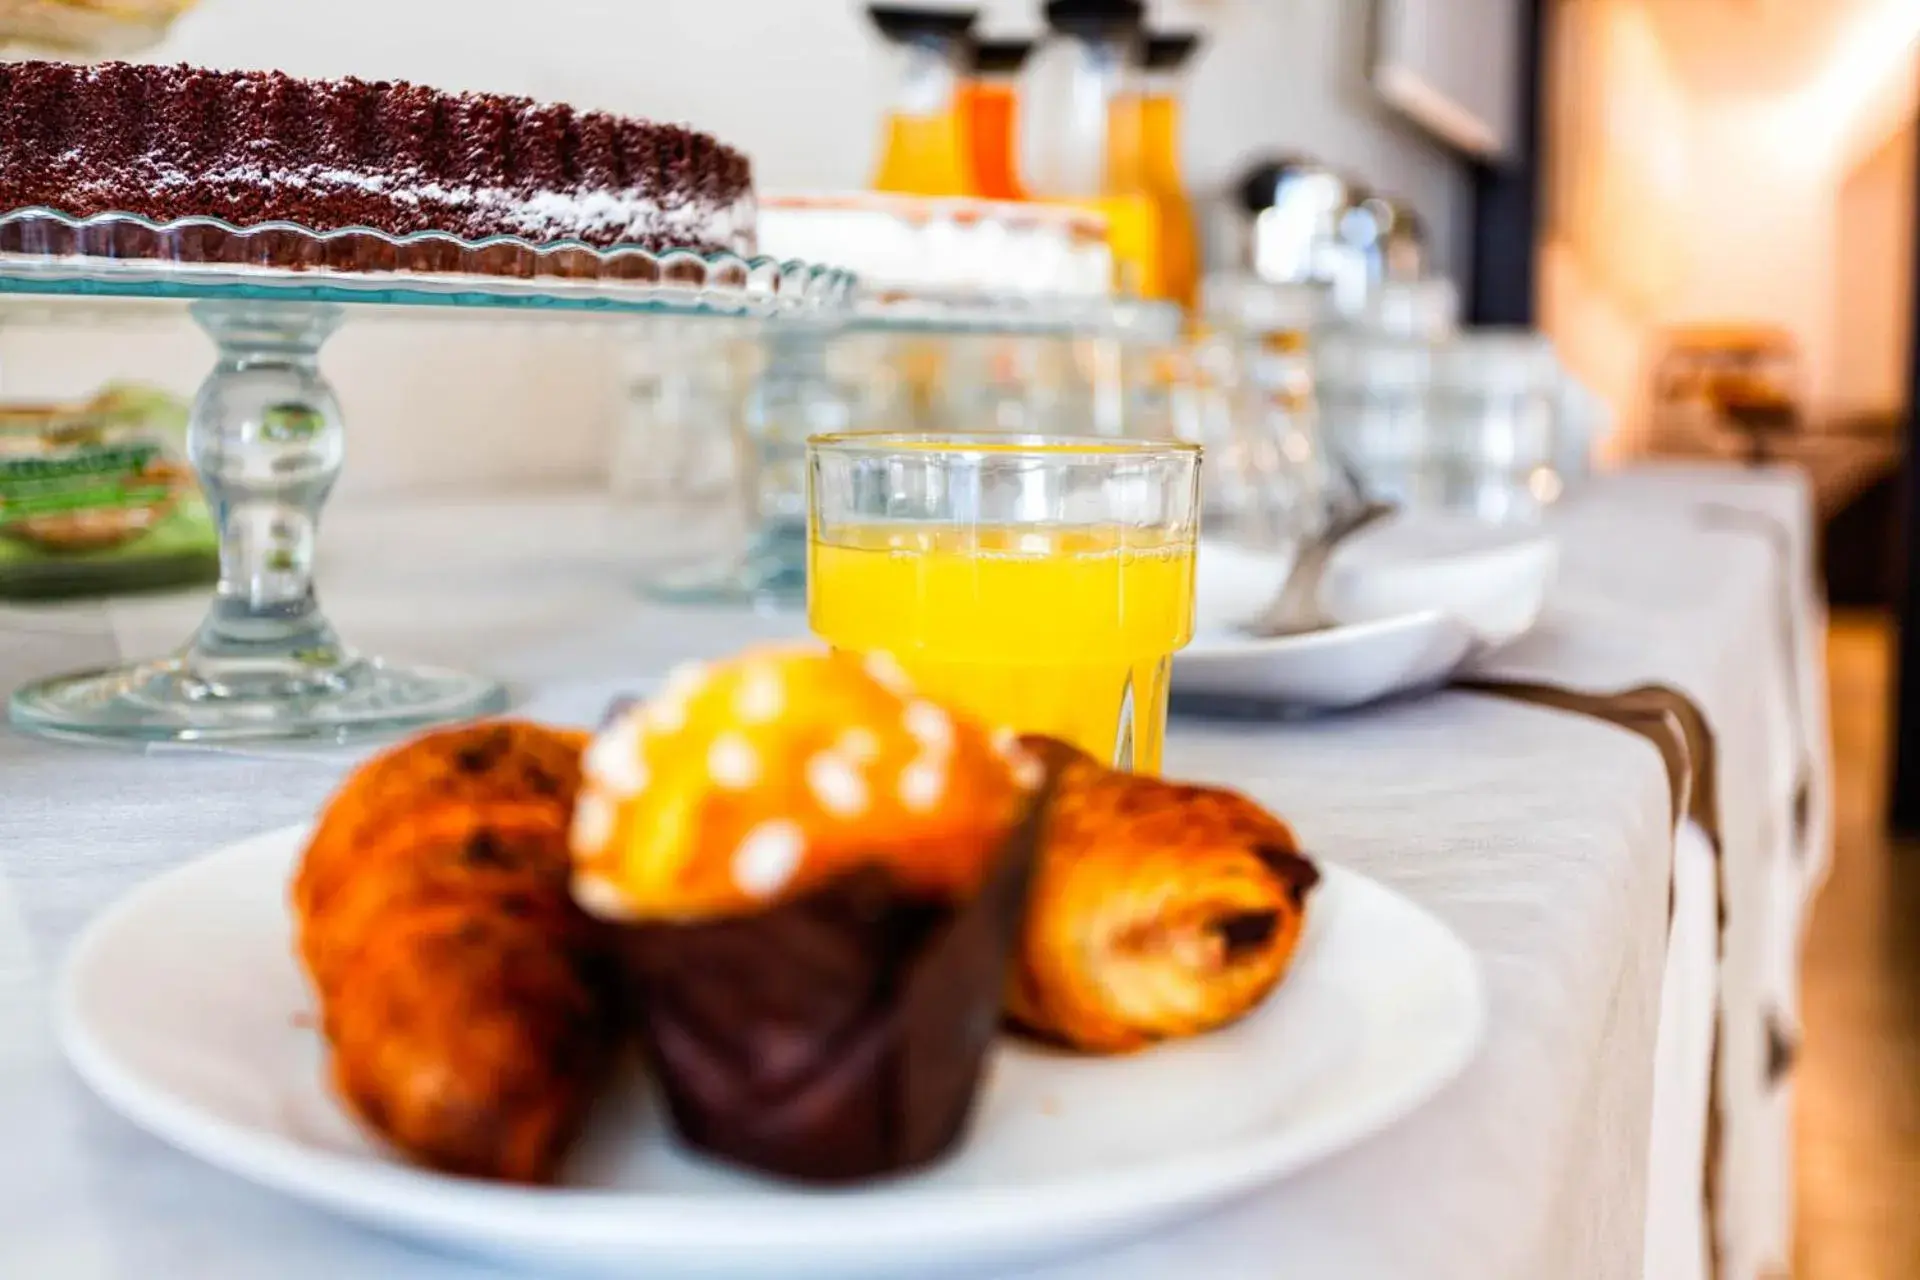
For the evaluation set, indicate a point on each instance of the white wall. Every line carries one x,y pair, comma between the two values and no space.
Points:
1619,160
1766,109
1873,313
1760,231
796,83
1770,154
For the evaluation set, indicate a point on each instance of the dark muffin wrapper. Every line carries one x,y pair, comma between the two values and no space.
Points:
838,1036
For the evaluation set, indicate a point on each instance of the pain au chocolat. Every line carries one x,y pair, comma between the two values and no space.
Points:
247,148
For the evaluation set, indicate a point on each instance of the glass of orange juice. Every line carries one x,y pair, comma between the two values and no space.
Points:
1040,582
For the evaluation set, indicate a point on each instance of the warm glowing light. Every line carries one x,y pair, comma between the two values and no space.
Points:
1878,44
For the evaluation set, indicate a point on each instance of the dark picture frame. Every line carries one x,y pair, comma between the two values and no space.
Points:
1904,792
1504,229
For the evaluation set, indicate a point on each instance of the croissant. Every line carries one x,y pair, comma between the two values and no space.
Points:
1159,910
497,763
468,1005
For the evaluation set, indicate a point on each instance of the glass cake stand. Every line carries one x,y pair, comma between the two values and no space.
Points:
266,441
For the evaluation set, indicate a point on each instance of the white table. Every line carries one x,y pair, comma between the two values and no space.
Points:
1545,839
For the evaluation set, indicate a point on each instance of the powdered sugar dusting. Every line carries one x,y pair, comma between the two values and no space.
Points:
592,215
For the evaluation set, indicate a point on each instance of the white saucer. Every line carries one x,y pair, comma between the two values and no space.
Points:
1329,670
1412,599
184,1009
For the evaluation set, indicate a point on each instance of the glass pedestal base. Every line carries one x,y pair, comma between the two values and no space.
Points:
266,443
171,701
770,574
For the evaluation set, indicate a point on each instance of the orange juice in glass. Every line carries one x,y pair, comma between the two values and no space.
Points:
1039,582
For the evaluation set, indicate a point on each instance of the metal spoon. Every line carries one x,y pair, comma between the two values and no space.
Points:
1296,609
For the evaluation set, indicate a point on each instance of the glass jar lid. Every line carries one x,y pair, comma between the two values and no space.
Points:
1428,309
1498,361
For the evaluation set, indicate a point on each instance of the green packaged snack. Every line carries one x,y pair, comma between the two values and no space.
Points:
96,498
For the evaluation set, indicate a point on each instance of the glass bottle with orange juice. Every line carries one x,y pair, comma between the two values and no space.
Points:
923,149
990,113
1084,146
1165,57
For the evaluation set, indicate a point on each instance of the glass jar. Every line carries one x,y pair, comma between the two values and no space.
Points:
880,394
681,386
1585,422
1271,481
1496,410
1427,310
1135,372
987,382
674,471
765,393
1373,393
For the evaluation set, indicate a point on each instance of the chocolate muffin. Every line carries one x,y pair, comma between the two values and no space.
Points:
817,880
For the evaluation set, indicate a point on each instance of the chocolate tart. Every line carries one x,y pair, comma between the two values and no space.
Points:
226,152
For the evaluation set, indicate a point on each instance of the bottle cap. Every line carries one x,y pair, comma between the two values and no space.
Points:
1169,50
904,24
1000,57
1095,17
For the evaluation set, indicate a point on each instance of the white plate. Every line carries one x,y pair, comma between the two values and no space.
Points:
1412,600
182,1007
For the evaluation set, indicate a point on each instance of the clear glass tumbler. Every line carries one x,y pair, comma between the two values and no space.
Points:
1039,582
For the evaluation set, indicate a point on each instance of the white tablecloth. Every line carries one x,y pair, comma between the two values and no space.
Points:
1702,579
1545,839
